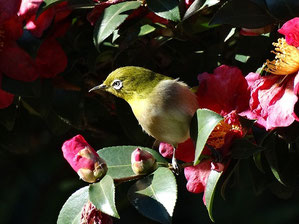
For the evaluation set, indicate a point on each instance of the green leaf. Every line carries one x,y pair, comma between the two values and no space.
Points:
118,159
272,157
21,88
71,4
203,123
243,149
72,208
167,9
243,13
242,58
8,117
283,9
102,195
146,29
210,190
198,5
111,18
155,195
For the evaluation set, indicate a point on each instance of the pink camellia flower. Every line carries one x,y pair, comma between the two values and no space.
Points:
274,97
14,61
291,31
272,100
91,215
142,162
229,102
84,159
38,25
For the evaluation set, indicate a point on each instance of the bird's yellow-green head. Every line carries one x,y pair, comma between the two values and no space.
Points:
131,82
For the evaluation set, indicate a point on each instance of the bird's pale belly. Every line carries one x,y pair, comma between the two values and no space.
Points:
166,125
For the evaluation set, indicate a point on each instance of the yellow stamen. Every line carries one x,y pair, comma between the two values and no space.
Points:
286,61
216,139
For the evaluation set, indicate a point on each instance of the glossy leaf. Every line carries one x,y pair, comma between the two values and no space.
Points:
21,88
111,18
118,159
202,125
167,9
283,9
155,195
102,195
198,5
243,148
72,4
210,190
243,13
272,157
72,208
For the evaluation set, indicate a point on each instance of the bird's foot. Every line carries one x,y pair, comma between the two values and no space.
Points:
175,166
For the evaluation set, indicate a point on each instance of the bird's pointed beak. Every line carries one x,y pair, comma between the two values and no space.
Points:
102,86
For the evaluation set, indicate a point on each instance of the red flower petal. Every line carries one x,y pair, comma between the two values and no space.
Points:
291,31
8,9
51,58
29,8
72,147
17,64
39,25
197,176
233,86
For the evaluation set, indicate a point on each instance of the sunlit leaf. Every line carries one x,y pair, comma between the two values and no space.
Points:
118,159
202,125
167,9
102,196
155,195
72,208
111,18
198,5
210,190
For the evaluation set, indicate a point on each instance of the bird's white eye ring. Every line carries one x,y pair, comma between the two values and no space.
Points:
117,84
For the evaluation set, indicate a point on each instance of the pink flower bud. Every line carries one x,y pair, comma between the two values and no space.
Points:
91,215
84,159
142,162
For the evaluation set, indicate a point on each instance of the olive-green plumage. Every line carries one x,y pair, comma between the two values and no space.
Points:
162,105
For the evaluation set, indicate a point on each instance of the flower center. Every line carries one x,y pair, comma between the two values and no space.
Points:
286,61
216,138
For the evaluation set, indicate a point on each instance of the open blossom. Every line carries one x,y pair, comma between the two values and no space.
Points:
229,102
84,159
274,97
291,31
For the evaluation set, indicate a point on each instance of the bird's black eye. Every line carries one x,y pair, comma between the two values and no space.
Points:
117,84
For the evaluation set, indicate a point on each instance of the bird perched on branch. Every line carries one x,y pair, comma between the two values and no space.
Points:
162,105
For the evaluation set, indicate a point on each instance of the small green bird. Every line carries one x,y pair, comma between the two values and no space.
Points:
163,106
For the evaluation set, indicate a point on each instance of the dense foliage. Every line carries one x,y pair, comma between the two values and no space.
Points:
241,59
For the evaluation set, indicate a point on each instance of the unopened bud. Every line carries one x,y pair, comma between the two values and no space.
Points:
84,159
142,162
